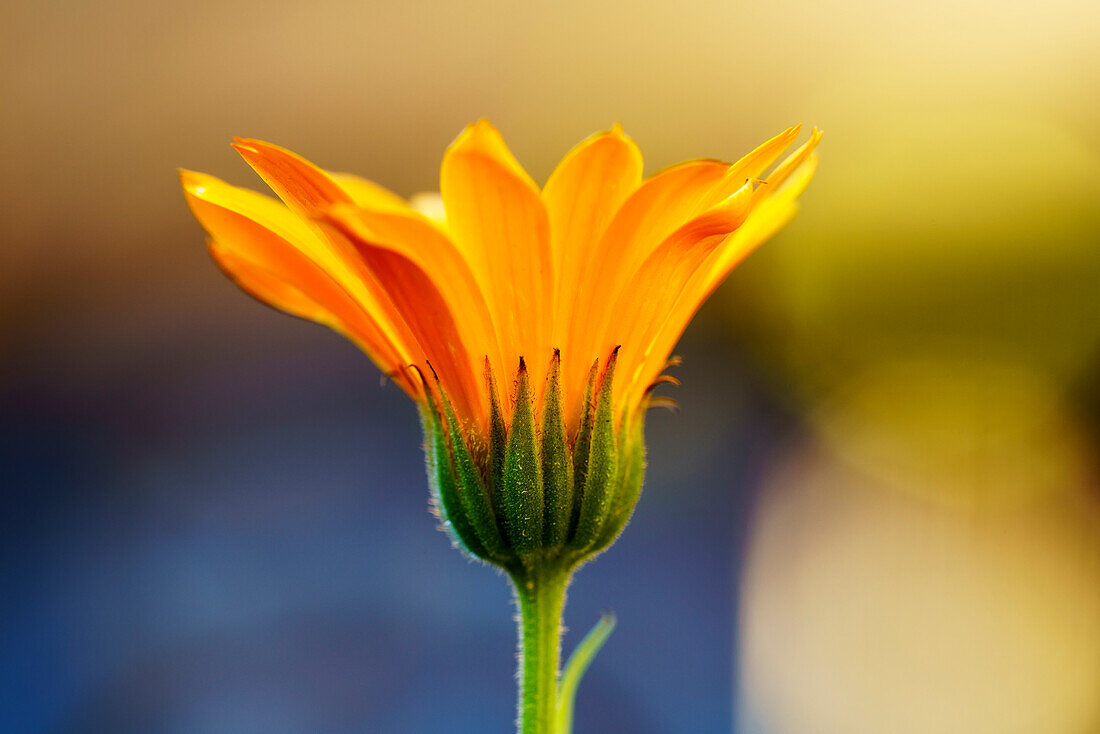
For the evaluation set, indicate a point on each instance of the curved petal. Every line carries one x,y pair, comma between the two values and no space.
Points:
648,300
765,219
260,242
415,237
430,204
429,317
212,200
267,287
751,166
496,216
308,192
582,196
270,288
789,166
649,216
303,186
367,193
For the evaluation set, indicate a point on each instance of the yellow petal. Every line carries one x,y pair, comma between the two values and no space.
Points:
212,200
367,193
496,216
788,167
310,192
430,204
752,165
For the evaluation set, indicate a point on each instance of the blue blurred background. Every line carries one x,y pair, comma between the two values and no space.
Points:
877,511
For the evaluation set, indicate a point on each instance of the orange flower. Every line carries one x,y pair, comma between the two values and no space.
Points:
596,259
580,289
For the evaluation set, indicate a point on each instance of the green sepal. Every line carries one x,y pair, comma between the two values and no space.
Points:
599,483
471,487
628,485
441,476
519,499
498,436
557,463
582,446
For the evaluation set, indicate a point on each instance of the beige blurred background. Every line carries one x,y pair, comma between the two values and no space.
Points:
925,555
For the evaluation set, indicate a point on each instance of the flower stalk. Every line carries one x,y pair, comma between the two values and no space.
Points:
540,596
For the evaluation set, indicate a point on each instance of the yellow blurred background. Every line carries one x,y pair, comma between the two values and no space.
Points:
925,550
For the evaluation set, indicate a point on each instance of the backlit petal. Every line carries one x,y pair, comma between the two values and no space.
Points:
303,186
648,301
494,269
429,317
367,193
765,219
649,216
258,240
496,216
582,196
752,165
422,242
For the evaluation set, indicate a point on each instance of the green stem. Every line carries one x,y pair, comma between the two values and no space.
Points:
540,592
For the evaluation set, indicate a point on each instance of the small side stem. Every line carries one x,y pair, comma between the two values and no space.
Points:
540,592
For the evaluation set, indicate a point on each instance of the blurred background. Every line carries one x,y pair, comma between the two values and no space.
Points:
877,511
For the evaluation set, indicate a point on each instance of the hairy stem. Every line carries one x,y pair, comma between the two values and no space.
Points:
540,594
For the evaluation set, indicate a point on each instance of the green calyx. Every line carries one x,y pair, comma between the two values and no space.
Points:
529,495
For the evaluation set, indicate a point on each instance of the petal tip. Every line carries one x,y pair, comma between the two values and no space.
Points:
480,135
245,145
193,182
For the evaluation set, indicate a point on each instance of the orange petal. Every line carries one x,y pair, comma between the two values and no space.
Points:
417,238
496,217
308,191
649,299
649,216
788,167
218,198
303,186
429,317
583,194
765,219
269,287
265,286
260,243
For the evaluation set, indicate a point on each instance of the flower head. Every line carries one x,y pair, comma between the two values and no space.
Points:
529,324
